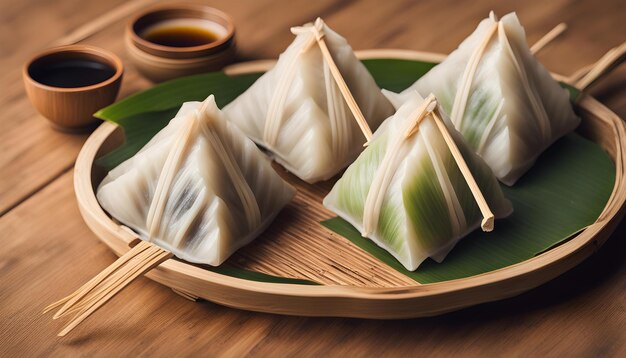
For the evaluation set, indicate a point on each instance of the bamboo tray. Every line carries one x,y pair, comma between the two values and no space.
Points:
298,246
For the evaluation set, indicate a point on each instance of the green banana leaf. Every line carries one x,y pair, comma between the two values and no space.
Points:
563,193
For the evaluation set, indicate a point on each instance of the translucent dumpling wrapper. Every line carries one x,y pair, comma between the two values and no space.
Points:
199,189
297,112
408,195
504,102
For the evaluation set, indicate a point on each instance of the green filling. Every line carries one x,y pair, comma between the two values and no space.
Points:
480,109
390,225
355,184
481,106
426,207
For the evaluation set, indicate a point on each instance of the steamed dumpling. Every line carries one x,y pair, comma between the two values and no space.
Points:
297,112
199,188
508,108
408,195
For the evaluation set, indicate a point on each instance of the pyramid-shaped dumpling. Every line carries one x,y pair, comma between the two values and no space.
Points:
297,111
199,188
504,102
408,195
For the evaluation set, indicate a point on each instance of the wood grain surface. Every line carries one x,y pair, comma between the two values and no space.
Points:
48,251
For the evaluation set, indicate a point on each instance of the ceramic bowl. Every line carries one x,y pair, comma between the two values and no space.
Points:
159,63
72,109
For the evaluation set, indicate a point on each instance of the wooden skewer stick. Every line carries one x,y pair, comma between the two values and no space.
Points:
102,21
95,293
131,272
70,300
548,38
343,87
110,282
579,74
488,217
605,64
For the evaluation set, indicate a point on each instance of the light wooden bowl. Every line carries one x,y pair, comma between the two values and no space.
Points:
160,63
300,247
72,109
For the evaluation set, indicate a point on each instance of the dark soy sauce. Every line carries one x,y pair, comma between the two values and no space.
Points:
70,73
180,36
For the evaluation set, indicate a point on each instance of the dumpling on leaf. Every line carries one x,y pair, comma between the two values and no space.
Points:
297,109
409,194
199,189
504,102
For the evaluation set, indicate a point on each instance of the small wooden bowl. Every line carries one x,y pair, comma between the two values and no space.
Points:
159,63
72,109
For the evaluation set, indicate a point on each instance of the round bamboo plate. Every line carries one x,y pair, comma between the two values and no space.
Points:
366,289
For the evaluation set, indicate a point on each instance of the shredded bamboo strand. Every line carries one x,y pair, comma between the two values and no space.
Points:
420,113
488,217
159,256
381,181
111,281
341,83
385,172
455,211
237,178
541,117
548,38
83,290
463,91
166,177
95,293
611,59
274,115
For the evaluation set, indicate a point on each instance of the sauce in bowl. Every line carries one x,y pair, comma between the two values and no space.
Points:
70,72
183,33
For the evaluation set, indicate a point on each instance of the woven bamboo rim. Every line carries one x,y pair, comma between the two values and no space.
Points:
599,124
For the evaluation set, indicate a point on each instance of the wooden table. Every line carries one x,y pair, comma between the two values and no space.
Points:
47,250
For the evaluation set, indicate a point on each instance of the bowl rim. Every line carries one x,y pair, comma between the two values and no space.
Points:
163,50
111,59
132,49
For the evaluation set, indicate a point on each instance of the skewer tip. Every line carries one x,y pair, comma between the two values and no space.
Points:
487,224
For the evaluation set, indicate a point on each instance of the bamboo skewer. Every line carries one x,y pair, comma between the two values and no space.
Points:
111,282
72,299
95,293
488,218
336,74
605,64
579,74
548,38
154,261
341,83
429,107
101,22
